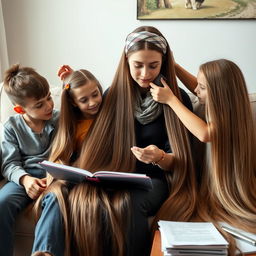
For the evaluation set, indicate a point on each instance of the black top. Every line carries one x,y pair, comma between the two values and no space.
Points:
155,133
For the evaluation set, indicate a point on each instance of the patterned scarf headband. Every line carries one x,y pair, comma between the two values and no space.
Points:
146,36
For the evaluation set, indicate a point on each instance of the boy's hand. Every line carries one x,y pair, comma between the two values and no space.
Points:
161,94
148,154
64,71
33,186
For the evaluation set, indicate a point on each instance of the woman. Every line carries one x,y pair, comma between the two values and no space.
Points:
132,133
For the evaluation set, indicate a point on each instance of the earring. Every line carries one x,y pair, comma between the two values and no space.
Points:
19,110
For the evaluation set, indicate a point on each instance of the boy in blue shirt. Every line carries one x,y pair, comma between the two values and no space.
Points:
26,141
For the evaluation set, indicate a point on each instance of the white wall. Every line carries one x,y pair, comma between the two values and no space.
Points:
90,34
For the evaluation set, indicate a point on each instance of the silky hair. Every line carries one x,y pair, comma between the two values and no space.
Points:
64,144
228,188
115,126
98,215
21,83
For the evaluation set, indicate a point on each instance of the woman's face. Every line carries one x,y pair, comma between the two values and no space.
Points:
144,66
201,89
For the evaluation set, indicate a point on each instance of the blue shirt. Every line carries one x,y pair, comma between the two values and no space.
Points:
22,148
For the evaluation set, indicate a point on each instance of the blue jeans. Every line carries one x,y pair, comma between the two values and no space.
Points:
49,232
13,199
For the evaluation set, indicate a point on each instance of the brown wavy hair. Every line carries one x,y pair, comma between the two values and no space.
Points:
228,189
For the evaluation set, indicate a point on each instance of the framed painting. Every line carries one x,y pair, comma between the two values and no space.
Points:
195,9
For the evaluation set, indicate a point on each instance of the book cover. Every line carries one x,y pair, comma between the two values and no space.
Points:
77,175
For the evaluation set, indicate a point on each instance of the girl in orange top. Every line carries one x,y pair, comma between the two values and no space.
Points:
80,102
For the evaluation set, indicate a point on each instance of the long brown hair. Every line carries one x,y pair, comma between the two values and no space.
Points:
228,188
98,220
64,144
115,126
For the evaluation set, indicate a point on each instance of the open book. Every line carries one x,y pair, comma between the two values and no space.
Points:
76,175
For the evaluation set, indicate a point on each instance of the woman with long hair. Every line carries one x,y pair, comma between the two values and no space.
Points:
227,191
132,133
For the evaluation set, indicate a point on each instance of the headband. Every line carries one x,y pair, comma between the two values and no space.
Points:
146,36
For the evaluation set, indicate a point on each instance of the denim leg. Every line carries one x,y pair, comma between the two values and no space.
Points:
49,231
13,199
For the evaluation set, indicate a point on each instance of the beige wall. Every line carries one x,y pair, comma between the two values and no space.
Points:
90,34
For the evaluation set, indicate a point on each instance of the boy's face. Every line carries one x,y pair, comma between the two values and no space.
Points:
39,109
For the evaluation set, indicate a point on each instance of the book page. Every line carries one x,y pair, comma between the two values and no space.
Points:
191,233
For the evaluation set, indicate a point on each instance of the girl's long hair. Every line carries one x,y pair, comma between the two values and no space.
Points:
228,188
108,144
64,145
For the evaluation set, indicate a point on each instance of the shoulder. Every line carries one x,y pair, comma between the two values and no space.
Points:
13,122
185,99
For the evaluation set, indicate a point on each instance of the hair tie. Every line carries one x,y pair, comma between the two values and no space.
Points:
146,36
67,86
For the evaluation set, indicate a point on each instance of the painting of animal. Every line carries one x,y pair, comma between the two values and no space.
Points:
194,4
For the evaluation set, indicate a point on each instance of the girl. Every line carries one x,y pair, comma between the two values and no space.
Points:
227,192
134,134
80,102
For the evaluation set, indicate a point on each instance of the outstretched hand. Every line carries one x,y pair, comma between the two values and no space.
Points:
161,94
148,154
64,71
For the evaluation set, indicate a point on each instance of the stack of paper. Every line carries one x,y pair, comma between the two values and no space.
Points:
191,238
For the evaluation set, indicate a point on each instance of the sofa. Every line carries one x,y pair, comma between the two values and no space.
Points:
24,227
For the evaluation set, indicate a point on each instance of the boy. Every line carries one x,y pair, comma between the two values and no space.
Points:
26,141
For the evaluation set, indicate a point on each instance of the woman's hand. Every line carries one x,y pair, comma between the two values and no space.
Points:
64,71
162,94
148,155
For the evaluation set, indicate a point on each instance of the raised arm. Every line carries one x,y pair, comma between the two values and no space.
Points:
186,78
193,123
64,71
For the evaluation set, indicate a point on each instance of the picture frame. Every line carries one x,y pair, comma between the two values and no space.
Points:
195,9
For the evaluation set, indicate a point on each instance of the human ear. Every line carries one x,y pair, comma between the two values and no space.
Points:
19,109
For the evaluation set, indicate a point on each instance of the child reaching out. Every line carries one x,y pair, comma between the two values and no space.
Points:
80,103
227,187
25,142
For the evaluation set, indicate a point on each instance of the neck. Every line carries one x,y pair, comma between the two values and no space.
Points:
36,125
